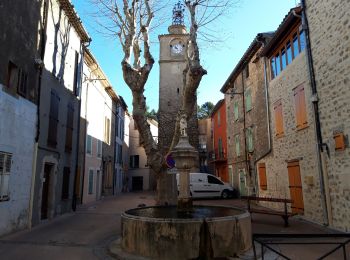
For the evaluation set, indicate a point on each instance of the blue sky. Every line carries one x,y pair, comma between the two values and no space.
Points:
240,28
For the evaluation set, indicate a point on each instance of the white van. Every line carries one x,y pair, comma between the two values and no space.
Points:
204,185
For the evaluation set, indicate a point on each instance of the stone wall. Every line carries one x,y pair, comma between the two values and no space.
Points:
295,144
256,118
329,26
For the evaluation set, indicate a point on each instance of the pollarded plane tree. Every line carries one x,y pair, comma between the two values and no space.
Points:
130,21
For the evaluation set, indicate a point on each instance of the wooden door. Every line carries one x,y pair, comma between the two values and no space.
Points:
45,191
295,187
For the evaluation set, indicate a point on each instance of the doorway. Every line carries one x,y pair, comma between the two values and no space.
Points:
46,190
137,183
295,187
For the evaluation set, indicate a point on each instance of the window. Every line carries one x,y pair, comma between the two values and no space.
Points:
221,152
107,130
91,181
277,107
295,45
262,176
65,183
22,83
288,50
248,100
76,72
134,161
235,110
219,118
238,148
300,107
302,40
5,170
212,179
12,76
289,53
250,144
284,59
273,67
17,79
69,127
278,64
89,144
53,119
99,148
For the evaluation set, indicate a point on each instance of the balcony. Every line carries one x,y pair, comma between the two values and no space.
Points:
217,156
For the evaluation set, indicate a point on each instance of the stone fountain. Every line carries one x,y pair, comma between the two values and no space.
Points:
185,231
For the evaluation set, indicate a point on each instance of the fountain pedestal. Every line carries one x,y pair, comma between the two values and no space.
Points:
184,155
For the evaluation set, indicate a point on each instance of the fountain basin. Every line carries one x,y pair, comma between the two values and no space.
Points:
163,232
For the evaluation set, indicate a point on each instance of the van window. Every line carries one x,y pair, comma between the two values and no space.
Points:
214,180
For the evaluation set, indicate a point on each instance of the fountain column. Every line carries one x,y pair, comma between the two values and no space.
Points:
185,157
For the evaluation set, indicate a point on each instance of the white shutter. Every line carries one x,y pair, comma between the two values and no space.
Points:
5,169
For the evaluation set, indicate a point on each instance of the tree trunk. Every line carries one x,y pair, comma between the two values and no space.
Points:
166,189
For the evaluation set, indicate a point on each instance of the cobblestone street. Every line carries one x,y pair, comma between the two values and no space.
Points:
87,233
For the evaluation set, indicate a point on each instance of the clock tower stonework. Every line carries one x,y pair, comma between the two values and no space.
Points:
172,62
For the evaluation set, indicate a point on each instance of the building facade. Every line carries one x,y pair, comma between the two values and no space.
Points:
291,169
119,170
99,112
247,117
140,175
218,156
58,112
330,41
20,51
205,145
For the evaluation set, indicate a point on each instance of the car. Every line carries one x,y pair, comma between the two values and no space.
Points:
204,185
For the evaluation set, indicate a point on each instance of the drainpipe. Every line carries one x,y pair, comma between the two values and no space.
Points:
326,208
245,138
41,65
269,149
115,148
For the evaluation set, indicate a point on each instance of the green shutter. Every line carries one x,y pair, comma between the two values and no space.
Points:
235,110
248,100
250,139
238,150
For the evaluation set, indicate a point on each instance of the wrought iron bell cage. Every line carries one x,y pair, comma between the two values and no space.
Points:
178,14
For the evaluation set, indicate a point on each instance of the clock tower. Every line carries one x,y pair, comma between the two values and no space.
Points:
172,62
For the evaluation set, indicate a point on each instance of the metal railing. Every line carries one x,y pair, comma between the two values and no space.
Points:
266,240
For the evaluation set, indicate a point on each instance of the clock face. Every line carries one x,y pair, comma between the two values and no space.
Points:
177,48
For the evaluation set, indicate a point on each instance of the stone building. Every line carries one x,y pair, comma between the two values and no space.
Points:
58,111
20,53
140,175
329,29
247,116
291,169
218,156
205,145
